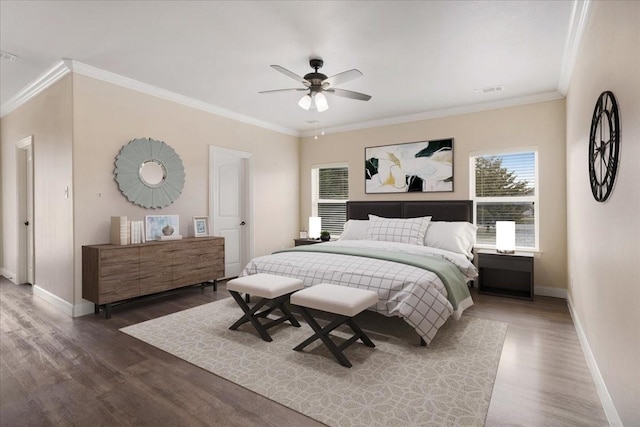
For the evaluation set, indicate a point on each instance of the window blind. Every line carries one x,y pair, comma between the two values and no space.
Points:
505,190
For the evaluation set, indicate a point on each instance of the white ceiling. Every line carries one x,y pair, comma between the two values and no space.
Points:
418,58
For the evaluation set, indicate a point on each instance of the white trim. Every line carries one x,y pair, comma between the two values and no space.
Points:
64,306
605,398
315,185
248,158
9,275
535,199
547,291
24,142
42,82
445,112
579,16
126,82
63,67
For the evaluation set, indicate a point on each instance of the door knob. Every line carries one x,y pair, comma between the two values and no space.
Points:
26,223
243,223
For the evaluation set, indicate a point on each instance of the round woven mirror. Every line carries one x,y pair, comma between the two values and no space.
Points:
149,173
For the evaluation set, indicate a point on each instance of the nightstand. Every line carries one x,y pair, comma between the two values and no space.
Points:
302,242
508,275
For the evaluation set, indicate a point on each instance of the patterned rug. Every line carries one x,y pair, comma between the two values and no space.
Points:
397,383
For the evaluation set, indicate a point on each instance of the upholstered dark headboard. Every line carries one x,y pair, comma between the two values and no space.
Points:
439,210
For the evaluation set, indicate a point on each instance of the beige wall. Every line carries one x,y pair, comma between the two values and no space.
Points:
539,125
604,237
48,119
106,117
79,126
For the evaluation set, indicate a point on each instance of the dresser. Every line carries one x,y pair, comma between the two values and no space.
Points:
114,274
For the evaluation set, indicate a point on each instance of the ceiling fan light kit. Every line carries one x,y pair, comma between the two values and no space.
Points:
317,83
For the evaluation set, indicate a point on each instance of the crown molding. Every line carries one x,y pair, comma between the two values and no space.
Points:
579,17
445,112
42,82
126,82
65,66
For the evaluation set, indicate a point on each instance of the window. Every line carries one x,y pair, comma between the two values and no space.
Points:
329,193
504,187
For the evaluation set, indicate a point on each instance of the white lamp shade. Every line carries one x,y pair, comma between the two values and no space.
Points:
315,226
321,102
305,102
506,236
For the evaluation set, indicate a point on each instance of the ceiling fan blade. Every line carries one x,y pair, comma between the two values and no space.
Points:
283,90
291,74
349,94
339,78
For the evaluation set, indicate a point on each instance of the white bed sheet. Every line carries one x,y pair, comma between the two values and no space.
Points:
414,294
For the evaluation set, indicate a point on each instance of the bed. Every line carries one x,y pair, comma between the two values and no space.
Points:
417,255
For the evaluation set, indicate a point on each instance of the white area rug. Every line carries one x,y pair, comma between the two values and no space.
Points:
397,383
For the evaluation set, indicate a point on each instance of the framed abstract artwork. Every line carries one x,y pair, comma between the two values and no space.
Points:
423,167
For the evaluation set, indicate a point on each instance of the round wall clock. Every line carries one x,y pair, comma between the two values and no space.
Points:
604,146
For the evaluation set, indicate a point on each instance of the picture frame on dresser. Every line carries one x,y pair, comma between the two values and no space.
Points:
200,226
155,226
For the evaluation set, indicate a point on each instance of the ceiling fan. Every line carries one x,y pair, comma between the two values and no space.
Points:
317,84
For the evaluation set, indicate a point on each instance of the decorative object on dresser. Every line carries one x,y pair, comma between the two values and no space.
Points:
200,226
149,173
125,232
425,166
509,275
114,274
325,236
162,227
604,146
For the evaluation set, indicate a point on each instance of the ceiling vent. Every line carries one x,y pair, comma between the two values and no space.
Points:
489,89
8,56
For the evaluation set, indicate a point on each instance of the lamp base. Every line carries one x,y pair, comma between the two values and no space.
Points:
503,251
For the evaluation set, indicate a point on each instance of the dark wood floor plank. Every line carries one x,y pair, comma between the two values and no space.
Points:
55,370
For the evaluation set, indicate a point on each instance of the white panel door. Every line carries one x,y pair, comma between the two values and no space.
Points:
230,206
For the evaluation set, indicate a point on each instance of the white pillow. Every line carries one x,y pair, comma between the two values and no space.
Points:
457,236
354,229
399,230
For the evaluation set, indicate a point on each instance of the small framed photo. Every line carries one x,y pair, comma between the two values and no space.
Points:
201,226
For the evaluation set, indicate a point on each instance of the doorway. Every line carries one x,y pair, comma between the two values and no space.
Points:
25,242
230,205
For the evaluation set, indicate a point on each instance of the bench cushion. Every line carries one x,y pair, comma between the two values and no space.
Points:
265,285
335,299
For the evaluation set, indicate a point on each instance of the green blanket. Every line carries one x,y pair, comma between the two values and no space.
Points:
451,276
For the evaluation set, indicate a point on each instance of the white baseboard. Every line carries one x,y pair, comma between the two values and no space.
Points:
547,291
605,398
10,275
66,307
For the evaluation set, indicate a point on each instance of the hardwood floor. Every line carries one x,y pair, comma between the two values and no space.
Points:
55,370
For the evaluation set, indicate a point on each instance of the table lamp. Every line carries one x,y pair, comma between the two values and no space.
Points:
506,237
315,226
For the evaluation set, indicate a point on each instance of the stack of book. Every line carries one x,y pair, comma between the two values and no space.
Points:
124,232
137,232
119,230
